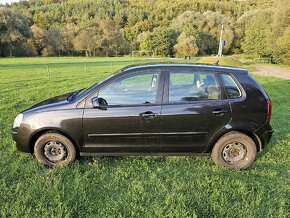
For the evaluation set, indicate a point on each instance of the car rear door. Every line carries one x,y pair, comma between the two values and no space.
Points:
194,108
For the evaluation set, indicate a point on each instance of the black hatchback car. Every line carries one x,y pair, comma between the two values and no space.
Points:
164,109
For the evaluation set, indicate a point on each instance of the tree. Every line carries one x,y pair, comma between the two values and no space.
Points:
53,41
206,29
161,41
279,39
186,46
112,38
117,25
256,34
85,42
13,29
40,20
68,35
266,32
283,48
38,37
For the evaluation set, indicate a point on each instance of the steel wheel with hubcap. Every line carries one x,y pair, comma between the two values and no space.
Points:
53,149
234,150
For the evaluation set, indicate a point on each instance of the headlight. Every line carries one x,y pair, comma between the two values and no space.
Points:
18,120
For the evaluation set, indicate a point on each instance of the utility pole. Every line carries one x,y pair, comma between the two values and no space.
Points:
221,39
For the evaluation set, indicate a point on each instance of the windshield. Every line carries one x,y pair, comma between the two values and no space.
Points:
82,92
79,93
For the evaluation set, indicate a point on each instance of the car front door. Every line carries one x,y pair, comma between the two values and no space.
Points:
128,119
193,109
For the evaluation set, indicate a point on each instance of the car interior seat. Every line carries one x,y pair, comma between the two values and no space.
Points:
211,88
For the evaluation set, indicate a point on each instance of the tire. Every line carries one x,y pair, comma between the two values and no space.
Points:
234,150
53,149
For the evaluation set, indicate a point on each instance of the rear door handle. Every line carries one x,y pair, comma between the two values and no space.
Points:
219,112
148,115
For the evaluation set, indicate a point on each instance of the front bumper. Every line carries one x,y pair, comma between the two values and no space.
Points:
21,137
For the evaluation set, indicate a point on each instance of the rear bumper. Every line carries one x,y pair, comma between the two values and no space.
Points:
268,135
265,134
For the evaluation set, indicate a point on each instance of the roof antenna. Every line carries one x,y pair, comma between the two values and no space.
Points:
217,63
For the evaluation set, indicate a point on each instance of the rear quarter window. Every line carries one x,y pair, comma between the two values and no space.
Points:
231,87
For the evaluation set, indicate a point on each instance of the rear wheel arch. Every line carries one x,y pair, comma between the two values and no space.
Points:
252,135
49,130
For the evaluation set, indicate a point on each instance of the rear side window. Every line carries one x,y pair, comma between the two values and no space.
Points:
188,86
231,87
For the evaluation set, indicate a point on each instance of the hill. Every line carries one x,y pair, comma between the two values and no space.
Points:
168,28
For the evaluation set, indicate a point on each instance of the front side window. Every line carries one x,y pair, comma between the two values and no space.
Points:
231,88
190,86
134,89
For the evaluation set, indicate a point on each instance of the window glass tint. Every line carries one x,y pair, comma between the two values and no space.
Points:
182,79
231,88
139,88
193,86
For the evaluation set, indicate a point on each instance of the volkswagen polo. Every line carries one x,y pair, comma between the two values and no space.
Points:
163,109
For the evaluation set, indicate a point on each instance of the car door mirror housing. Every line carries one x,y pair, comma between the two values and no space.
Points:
96,102
99,103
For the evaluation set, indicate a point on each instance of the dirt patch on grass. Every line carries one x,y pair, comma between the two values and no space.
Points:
272,71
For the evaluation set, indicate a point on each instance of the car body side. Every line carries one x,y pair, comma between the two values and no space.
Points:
247,114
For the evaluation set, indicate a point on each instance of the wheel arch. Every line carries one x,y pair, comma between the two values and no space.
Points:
41,132
249,133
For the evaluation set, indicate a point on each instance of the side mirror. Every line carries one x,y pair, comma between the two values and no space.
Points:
96,102
99,103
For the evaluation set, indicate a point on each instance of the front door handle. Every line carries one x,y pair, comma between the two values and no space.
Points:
219,112
148,115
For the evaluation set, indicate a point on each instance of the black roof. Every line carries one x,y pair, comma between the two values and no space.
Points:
185,66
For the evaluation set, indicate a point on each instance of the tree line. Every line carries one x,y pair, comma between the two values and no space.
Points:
169,28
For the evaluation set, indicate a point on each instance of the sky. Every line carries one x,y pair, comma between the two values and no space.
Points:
7,1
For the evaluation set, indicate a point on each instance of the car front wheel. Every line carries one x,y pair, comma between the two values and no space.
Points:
234,150
53,149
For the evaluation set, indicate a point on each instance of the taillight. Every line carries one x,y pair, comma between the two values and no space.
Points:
269,113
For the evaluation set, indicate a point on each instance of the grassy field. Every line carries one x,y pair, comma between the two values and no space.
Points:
131,186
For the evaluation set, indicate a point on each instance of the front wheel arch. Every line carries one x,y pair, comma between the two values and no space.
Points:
44,131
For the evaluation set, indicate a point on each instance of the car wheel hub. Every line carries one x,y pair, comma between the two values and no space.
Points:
55,151
234,152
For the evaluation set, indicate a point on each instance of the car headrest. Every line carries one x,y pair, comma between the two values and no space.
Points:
209,80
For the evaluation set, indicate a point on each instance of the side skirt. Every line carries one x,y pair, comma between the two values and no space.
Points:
142,154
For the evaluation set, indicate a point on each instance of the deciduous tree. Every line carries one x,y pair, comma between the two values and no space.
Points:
13,28
186,46
85,42
53,40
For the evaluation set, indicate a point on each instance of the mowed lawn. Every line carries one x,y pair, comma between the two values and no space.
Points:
131,186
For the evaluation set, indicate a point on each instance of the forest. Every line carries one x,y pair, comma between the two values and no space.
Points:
260,28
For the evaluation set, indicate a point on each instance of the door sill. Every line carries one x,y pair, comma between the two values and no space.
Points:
143,154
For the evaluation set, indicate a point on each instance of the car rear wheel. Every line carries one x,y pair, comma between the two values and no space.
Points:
234,150
53,149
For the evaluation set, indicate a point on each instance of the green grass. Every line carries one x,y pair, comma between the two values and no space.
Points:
48,60
132,186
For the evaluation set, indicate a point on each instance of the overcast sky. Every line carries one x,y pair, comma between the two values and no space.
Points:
7,1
